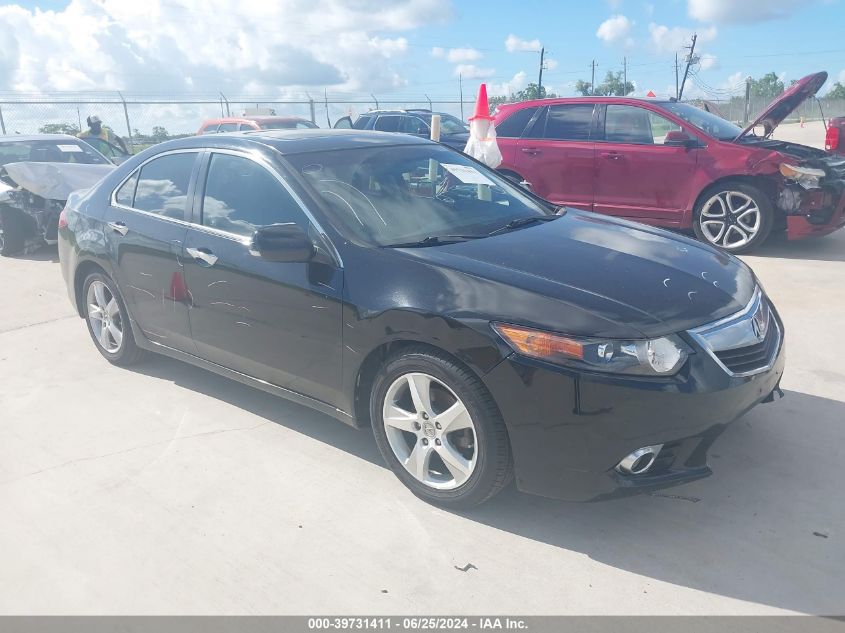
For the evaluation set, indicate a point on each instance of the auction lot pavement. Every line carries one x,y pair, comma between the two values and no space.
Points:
165,489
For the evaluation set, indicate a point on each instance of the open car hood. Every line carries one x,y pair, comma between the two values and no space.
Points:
55,181
786,103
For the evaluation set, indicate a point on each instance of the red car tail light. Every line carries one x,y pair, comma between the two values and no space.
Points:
831,139
63,219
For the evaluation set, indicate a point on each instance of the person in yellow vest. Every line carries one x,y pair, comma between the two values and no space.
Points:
96,129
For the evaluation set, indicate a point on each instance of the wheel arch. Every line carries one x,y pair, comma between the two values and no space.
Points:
85,268
763,183
376,358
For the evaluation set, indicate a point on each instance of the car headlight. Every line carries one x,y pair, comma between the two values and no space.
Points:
662,356
807,177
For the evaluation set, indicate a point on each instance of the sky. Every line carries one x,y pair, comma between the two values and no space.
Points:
407,48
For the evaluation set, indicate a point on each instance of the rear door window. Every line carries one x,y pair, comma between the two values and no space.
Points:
569,122
126,194
163,185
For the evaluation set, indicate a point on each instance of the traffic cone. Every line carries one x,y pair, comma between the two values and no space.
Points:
482,106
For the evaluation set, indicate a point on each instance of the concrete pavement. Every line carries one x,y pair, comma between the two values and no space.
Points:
165,489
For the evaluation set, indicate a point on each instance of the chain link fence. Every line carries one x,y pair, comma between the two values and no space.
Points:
143,122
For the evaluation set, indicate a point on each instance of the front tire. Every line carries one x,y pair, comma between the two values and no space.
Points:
108,321
736,217
439,430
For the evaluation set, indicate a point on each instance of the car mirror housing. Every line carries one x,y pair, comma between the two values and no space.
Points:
679,138
283,243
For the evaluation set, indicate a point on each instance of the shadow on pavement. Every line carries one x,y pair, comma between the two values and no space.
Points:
43,254
765,528
829,248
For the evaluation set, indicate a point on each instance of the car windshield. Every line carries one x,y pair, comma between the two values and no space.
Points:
52,151
392,195
287,125
705,121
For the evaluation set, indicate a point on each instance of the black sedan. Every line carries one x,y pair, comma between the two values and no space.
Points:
394,282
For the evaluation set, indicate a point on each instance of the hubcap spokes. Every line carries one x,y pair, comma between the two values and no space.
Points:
730,219
104,316
430,431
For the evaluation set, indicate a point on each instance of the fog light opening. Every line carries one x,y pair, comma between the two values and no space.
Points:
639,461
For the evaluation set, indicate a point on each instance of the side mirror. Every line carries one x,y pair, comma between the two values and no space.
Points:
283,243
343,123
679,138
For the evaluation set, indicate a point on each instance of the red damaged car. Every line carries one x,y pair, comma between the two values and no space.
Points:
675,165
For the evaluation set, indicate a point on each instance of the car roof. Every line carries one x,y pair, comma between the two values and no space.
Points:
590,99
8,138
297,141
262,118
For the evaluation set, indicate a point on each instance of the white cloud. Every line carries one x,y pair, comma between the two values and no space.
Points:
671,39
169,47
514,44
550,64
733,11
457,55
708,61
617,28
471,71
507,88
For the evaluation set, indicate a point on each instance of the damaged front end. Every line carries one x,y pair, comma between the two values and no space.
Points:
812,195
32,196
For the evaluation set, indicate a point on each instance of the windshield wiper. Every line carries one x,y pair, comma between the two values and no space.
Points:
518,222
434,240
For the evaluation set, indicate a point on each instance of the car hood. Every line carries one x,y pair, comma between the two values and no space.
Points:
55,181
786,103
599,275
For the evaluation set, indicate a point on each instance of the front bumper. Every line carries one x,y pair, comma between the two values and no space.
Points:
568,430
815,225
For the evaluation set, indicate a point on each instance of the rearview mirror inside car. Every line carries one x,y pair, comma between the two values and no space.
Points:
679,138
283,243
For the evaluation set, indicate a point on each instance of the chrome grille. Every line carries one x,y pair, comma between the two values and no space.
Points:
744,343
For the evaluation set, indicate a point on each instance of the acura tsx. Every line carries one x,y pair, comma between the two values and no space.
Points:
391,281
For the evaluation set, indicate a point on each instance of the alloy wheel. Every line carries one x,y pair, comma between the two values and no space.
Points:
730,219
104,317
430,431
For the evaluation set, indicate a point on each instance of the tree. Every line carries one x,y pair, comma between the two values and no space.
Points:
769,86
531,91
613,86
837,92
585,88
159,134
59,128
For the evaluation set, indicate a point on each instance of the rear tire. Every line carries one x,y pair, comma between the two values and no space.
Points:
458,468
733,216
108,321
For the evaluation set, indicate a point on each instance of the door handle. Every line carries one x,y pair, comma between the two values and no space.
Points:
611,155
119,227
531,151
203,256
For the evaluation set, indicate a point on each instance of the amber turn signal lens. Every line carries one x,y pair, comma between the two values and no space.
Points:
539,344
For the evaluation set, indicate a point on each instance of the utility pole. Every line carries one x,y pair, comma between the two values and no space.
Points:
540,80
625,76
689,63
676,77
747,110
593,78
461,88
